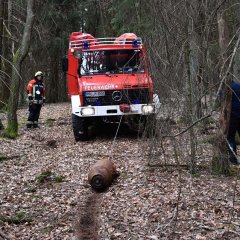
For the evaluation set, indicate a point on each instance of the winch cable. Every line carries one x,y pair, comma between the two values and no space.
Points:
116,134
114,140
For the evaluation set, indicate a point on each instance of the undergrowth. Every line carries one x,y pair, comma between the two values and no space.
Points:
48,176
19,218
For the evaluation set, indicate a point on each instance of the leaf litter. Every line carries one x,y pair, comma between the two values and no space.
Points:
144,202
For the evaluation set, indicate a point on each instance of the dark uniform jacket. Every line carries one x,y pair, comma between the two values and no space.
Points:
36,91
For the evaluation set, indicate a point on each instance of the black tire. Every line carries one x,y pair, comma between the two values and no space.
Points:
80,128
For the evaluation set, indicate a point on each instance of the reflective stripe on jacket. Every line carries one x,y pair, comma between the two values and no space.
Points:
36,90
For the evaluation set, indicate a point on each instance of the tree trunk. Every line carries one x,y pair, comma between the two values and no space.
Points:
5,46
192,83
12,127
220,163
236,65
1,28
53,82
1,51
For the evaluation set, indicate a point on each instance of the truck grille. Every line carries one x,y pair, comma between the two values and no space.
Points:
128,96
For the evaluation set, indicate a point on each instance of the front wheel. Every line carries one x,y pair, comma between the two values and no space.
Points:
80,128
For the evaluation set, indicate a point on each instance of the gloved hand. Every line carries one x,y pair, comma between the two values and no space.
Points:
30,100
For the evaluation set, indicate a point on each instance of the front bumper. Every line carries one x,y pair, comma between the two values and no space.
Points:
113,110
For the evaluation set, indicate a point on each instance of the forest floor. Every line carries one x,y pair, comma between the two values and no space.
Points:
44,193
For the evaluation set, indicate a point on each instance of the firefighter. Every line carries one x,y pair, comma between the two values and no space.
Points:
36,98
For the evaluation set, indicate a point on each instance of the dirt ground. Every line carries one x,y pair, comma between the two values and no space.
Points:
44,193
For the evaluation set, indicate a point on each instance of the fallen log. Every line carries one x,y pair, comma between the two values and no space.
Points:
101,174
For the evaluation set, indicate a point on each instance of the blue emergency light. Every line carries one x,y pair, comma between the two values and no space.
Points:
135,43
86,45
98,103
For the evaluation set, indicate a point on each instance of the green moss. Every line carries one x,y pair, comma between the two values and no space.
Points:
220,166
48,176
10,132
18,218
59,179
31,189
196,175
2,157
50,121
43,177
234,171
6,157
4,109
20,215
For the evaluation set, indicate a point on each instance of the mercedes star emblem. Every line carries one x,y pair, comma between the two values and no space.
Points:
117,96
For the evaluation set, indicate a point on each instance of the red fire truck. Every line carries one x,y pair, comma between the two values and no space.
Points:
108,80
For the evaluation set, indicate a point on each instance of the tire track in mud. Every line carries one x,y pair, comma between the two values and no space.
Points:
87,224
88,220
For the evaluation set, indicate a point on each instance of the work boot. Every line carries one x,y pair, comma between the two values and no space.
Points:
29,124
35,125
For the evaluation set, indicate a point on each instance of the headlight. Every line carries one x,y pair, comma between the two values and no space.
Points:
147,109
78,54
87,111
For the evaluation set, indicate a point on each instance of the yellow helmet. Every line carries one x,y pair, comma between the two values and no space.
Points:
39,73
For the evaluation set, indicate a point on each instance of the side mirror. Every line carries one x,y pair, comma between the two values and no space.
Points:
65,64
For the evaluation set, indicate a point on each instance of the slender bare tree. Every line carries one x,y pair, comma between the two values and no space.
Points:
220,159
19,56
5,42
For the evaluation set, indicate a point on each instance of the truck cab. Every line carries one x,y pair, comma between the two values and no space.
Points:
109,80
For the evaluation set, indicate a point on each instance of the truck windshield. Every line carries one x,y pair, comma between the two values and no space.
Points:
112,61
